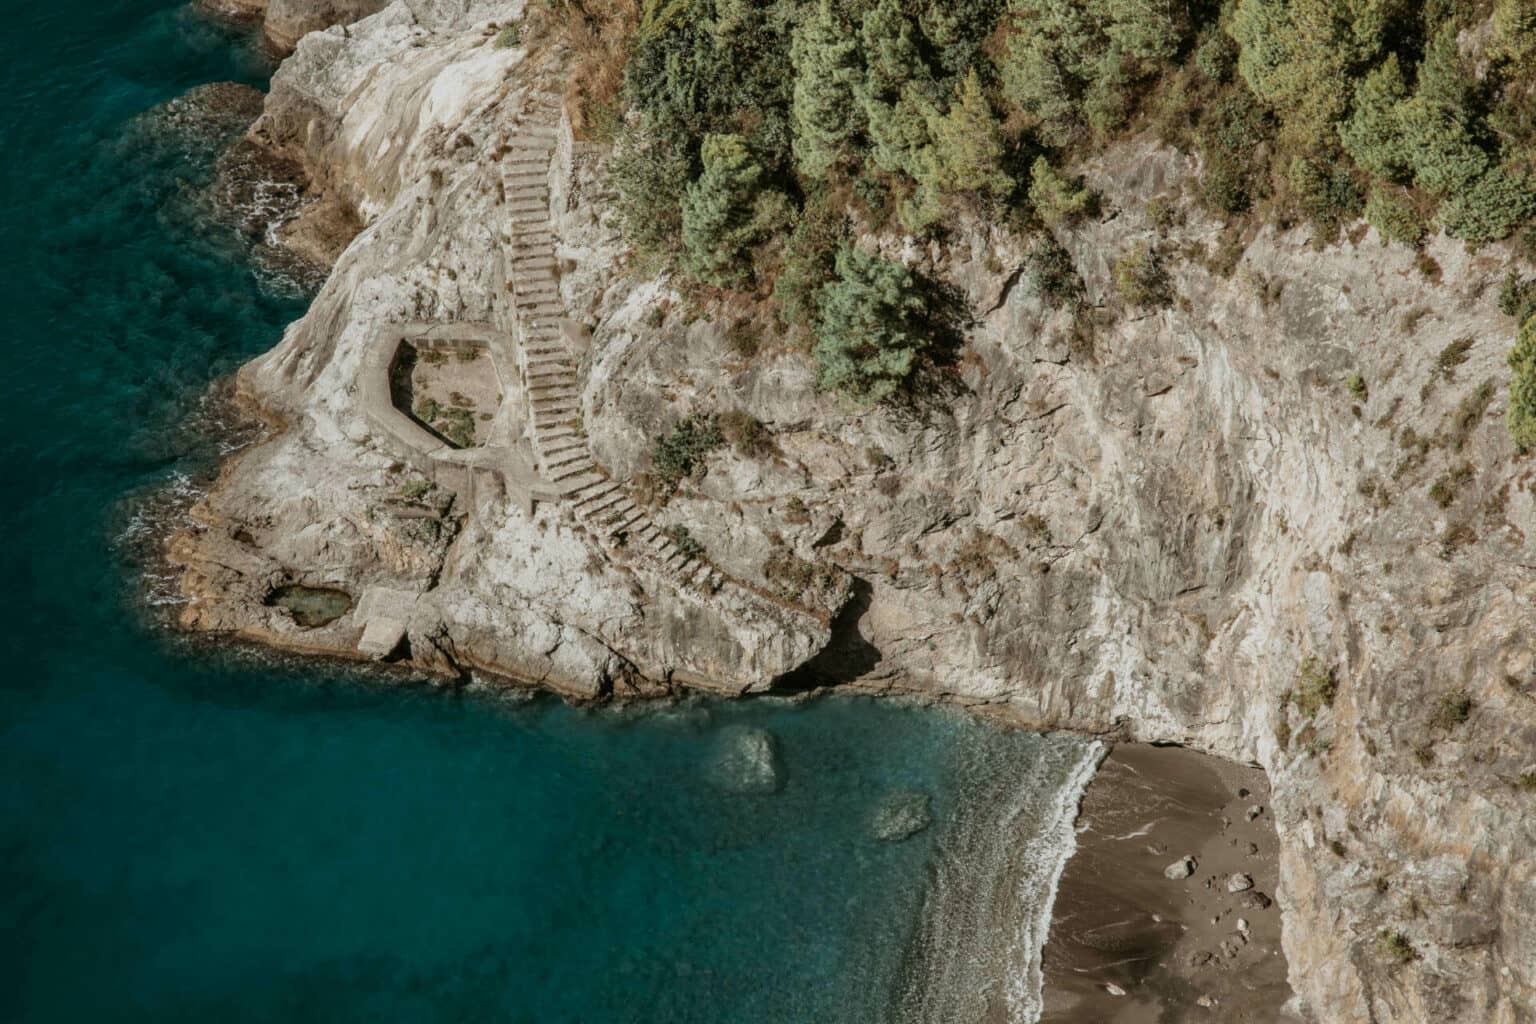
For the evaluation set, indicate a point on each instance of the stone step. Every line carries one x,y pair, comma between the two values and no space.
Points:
530,147
627,522
537,303
551,393
536,196
577,493
592,510
550,364
701,574
676,563
583,499
559,434
567,458
525,130
572,472
517,179
547,286
534,275
562,446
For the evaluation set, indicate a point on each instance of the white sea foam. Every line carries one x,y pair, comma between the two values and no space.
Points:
978,948
1052,847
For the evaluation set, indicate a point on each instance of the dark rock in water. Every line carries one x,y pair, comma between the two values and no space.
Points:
311,607
257,192
1255,900
902,815
197,125
747,761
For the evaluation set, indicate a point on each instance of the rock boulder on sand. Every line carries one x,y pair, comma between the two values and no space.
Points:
1180,869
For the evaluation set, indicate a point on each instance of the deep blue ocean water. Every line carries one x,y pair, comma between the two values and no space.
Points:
194,836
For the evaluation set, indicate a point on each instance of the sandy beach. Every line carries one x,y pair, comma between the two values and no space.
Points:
1134,940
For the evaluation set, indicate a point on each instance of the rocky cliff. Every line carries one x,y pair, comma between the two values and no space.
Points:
1280,520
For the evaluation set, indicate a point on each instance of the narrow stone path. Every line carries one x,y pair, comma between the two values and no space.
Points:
548,366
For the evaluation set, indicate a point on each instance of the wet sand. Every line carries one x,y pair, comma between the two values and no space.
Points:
1127,944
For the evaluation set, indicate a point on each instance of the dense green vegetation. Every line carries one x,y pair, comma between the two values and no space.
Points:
753,135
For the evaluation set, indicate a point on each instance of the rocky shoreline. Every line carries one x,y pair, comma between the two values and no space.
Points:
1192,527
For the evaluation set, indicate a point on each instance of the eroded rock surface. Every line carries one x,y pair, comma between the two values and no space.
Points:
1169,532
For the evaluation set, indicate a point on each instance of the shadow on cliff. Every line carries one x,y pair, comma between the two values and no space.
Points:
847,655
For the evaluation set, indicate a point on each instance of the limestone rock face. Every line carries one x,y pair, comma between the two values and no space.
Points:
1189,524
288,21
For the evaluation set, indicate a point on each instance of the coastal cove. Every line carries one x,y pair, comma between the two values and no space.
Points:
191,832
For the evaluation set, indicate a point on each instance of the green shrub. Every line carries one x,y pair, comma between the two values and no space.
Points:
1057,200
871,330
1231,130
649,173
1357,388
1522,387
1316,688
681,451
1490,209
1327,195
1051,273
1395,947
1517,297
745,433
686,543
1141,278
1216,56
1394,215
508,37
1452,710
810,258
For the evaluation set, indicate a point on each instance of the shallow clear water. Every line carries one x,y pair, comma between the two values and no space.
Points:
187,836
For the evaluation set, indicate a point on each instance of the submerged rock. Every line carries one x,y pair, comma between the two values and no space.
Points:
1239,883
747,761
902,815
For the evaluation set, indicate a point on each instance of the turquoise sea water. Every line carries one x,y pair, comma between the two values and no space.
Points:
191,836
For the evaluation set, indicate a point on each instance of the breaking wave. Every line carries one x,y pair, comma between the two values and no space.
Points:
976,954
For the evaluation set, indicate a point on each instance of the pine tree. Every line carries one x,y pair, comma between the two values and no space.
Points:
1145,29
824,116
870,333
1439,122
967,150
1057,201
895,91
724,212
1373,135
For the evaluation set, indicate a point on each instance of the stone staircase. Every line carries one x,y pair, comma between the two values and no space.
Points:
548,366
